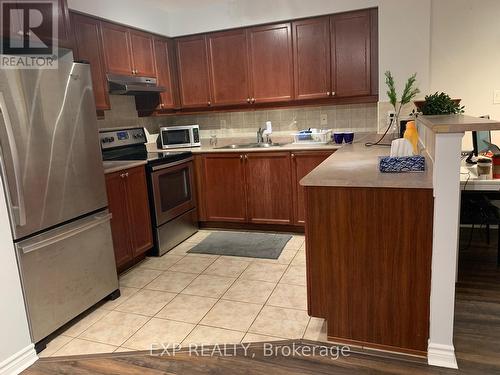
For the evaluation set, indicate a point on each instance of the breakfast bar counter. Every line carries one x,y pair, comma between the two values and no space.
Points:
355,165
368,250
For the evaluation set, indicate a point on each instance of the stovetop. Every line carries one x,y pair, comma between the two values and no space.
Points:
130,144
136,153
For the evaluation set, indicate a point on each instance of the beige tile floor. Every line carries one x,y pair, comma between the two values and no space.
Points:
199,299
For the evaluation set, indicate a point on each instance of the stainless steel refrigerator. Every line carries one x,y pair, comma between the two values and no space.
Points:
54,183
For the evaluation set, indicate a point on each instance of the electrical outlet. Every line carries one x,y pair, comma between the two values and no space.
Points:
324,119
390,116
496,97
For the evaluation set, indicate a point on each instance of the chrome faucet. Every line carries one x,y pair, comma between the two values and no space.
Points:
260,137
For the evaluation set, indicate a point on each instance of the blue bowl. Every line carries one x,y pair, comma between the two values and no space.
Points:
349,137
338,138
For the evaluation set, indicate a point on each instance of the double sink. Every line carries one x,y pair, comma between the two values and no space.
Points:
252,145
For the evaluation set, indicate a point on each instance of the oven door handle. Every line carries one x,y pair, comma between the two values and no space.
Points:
169,165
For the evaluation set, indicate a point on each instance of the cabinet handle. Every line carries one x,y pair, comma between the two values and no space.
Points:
248,100
209,103
293,155
333,93
123,175
246,157
328,93
241,157
253,100
162,105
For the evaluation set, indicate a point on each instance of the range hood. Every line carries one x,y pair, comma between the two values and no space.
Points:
125,85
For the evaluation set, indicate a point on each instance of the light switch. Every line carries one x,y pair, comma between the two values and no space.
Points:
324,119
496,97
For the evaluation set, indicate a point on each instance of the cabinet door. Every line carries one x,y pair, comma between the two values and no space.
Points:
164,55
140,219
351,55
64,25
224,187
116,46
269,187
270,63
193,72
117,201
88,47
311,58
143,58
228,67
303,163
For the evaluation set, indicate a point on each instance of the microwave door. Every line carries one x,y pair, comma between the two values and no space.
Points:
176,138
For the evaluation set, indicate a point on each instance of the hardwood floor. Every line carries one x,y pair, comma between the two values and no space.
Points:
477,340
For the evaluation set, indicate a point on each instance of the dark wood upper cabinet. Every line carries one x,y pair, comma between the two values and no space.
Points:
303,162
165,70
311,58
143,58
117,49
269,187
228,67
270,63
64,25
88,47
374,50
223,192
192,61
351,53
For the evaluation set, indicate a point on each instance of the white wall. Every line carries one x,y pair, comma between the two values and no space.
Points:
140,14
13,322
465,55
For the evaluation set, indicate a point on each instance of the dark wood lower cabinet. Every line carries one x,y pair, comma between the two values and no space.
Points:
131,222
368,264
254,188
224,187
303,162
269,187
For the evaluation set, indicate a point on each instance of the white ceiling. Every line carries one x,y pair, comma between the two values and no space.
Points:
181,5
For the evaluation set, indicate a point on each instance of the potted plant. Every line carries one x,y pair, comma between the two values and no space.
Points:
439,104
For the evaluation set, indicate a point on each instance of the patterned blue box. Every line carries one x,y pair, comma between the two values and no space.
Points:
401,164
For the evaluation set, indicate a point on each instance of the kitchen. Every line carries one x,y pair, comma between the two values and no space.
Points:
240,102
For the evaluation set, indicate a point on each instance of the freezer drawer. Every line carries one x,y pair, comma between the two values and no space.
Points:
65,271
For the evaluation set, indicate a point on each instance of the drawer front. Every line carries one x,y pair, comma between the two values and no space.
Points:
66,271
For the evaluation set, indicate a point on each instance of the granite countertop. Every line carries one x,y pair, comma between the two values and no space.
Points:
457,123
286,142
118,165
356,165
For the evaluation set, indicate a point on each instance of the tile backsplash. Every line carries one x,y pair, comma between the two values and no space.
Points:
355,117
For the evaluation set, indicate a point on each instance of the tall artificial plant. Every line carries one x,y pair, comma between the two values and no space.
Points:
409,92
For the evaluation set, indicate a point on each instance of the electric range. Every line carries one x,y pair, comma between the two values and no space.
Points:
170,179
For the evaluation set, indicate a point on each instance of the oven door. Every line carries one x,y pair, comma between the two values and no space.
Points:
173,190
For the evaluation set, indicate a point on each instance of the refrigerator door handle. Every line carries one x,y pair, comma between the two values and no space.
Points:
96,220
19,211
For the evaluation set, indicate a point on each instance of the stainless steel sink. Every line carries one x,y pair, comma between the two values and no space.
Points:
252,145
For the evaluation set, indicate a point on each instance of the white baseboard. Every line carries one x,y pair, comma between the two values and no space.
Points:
441,355
19,362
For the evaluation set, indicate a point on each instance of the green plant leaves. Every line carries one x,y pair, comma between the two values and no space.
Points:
441,104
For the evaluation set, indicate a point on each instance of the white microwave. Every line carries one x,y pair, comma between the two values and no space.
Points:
179,136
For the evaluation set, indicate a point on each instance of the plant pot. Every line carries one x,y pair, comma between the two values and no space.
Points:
420,103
